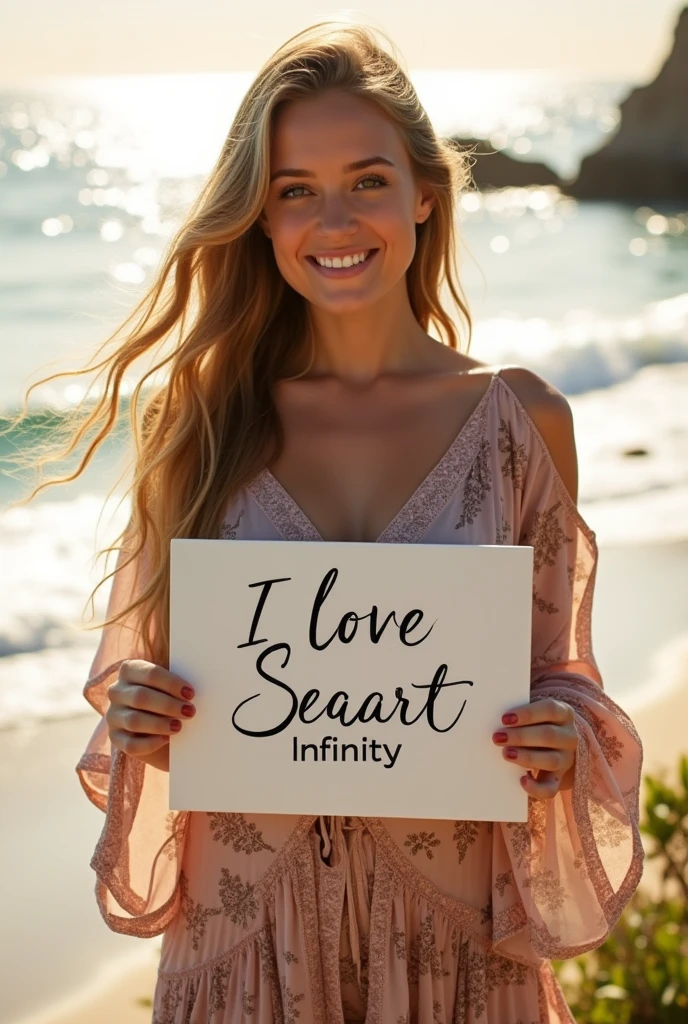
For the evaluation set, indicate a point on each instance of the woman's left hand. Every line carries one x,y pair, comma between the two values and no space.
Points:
542,736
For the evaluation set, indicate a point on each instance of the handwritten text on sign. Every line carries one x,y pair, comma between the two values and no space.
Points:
346,678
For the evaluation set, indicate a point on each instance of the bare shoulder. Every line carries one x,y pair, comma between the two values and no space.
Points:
551,413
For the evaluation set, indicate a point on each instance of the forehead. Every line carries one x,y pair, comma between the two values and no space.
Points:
332,128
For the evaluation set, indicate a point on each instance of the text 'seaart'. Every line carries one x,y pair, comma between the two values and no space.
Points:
349,678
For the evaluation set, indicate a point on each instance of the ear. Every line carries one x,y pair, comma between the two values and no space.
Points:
263,223
425,203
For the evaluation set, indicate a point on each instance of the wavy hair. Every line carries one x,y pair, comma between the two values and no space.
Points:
209,424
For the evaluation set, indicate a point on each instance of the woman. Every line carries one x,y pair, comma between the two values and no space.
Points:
308,402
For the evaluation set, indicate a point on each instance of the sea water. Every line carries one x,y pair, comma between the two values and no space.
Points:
95,176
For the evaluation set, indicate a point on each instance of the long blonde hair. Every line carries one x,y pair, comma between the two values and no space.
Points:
212,425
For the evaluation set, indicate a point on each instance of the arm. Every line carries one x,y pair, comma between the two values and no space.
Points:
546,726
138,856
562,878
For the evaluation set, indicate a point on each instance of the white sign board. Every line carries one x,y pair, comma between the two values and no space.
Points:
349,678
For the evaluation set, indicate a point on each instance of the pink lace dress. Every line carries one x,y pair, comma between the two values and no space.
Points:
276,918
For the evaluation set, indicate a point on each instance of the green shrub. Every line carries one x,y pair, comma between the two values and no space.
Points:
640,974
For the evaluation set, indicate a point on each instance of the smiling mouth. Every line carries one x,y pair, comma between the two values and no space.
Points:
343,271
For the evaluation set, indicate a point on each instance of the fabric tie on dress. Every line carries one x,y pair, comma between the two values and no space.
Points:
343,837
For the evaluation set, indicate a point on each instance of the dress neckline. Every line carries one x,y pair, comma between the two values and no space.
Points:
418,511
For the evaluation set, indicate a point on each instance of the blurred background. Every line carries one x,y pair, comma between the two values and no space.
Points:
575,264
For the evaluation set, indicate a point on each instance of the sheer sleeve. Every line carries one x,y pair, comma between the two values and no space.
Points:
561,879
138,856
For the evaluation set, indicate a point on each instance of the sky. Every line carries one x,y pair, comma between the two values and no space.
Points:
616,39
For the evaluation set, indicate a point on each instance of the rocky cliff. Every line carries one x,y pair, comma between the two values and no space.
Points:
647,158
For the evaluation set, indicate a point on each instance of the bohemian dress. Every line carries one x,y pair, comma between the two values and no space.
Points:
274,919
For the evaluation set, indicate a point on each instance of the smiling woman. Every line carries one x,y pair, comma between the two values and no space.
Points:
308,402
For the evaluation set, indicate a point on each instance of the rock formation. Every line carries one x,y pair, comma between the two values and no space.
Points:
647,158
495,169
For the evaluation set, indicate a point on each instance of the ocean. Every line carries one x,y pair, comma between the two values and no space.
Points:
95,175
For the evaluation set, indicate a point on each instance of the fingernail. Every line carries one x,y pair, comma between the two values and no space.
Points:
187,692
500,737
188,710
175,726
511,753
510,718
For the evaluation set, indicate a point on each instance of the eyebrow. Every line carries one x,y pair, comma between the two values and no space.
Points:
357,165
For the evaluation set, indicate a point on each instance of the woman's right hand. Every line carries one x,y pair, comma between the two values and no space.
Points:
146,705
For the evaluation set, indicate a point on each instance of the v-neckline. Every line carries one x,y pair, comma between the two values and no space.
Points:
416,514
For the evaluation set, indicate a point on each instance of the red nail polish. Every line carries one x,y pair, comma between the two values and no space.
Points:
500,737
175,726
510,718
188,710
511,753
187,692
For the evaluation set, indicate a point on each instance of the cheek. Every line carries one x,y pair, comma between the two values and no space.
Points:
394,222
398,231
289,234
287,250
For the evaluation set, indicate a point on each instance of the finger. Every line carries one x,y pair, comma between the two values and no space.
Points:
544,760
141,722
137,745
144,698
557,737
544,787
135,670
546,710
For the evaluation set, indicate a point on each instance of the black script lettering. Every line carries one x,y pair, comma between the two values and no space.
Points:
372,698
338,704
435,688
266,584
404,628
332,706
348,623
345,637
307,701
325,587
283,686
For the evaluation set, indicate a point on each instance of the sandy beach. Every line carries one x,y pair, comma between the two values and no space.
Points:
62,965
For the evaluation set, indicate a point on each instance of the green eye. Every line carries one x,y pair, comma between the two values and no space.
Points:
369,177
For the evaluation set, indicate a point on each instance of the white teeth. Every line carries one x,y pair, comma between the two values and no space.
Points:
348,261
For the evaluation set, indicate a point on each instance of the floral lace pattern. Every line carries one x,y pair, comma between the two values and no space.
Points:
408,920
244,835
516,462
422,841
195,914
423,955
478,484
465,833
486,972
238,900
228,531
546,536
